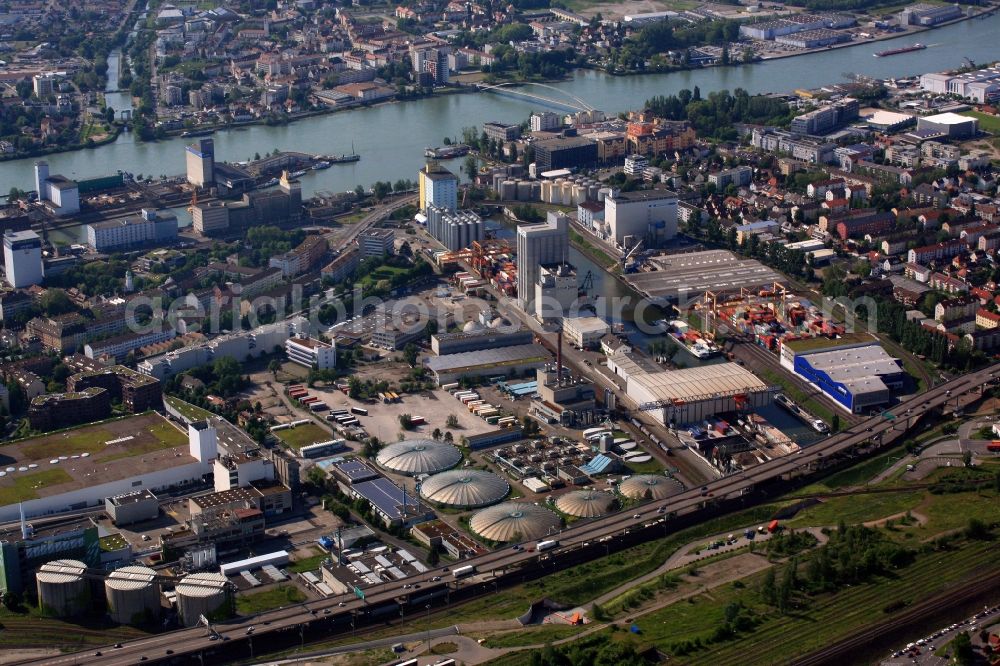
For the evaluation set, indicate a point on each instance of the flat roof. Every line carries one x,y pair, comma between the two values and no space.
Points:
819,343
356,470
949,119
855,364
388,497
586,324
693,272
690,384
645,195
486,357
90,456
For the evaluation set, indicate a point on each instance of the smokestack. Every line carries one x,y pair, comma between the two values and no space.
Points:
559,357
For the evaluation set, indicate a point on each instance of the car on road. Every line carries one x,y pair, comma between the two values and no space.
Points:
435,579
250,630
637,516
341,604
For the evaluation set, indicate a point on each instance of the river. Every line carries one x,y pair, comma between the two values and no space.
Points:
391,137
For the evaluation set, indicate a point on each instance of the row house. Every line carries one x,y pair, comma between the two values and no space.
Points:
938,251
947,283
959,307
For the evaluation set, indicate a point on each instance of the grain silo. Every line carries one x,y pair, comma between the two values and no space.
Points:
132,594
205,594
62,588
523,190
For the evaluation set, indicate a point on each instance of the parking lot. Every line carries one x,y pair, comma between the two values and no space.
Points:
924,650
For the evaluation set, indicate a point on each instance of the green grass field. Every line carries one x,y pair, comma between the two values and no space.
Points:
73,442
303,435
591,249
255,602
987,122
25,486
533,635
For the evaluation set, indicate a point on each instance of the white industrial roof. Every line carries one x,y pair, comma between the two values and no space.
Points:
690,384
949,119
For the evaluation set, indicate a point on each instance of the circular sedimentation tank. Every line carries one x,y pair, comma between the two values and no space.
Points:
649,486
132,594
464,488
585,503
515,521
63,590
205,594
418,456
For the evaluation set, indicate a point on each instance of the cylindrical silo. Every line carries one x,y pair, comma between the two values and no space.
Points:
546,186
523,190
62,589
592,191
508,190
603,193
536,191
132,594
203,594
567,193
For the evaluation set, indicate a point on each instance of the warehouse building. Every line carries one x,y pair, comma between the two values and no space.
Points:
951,125
690,395
507,361
853,370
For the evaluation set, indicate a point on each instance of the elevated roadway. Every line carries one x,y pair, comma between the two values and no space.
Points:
286,627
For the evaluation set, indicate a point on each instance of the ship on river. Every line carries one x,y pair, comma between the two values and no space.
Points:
905,49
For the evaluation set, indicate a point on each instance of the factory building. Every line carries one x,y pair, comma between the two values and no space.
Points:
507,361
556,291
585,332
647,215
690,395
455,343
539,244
133,507
951,125
853,370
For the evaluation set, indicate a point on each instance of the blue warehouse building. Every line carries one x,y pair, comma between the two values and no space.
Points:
852,370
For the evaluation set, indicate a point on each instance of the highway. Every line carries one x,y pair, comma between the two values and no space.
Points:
575,545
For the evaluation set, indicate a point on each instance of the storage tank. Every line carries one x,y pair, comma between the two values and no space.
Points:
579,194
62,589
593,191
546,187
205,594
536,191
523,190
508,190
567,193
132,594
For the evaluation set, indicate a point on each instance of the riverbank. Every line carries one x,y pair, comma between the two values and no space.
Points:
110,137
988,10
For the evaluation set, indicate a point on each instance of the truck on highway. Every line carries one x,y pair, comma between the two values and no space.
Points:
461,572
773,526
546,545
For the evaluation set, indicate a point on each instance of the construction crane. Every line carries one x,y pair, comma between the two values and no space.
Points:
588,282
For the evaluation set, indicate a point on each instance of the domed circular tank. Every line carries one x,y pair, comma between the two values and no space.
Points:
205,594
418,456
515,521
62,589
649,486
585,503
132,594
465,488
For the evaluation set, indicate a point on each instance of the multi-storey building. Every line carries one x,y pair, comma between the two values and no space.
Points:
438,187
152,226
311,353
649,215
302,258
22,254
376,242
539,244
136,391
504,132
739,176
61,410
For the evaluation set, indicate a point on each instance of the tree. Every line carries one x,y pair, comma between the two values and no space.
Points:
835,423
768,587
471,167
273,366
961,649
433,557
16,193
451,421
967,458
448,437
410,352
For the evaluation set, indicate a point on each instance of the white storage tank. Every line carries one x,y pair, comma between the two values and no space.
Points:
536,191
63,590
205,594
132,594
567,193
546,186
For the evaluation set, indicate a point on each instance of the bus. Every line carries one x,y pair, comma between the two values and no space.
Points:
360,411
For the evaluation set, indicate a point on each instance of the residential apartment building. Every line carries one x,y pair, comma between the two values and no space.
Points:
61,410
22,255
302,258
936,252
827,118
503,132
343,266
739,176
136,391
119,346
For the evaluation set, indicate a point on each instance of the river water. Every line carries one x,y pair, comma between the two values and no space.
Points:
391,137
